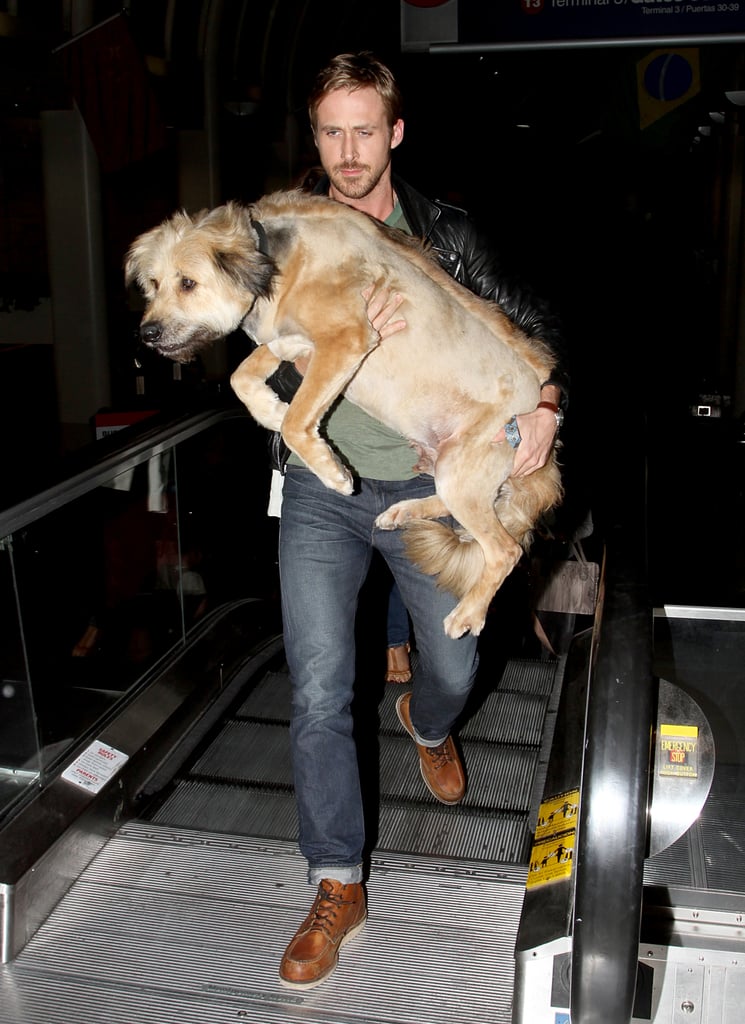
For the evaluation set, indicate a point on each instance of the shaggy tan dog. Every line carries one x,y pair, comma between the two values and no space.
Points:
290,270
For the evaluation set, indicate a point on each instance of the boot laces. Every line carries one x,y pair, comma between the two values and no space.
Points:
329,905
440,756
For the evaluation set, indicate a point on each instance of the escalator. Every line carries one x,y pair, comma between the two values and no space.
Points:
169,893
195,833
188,907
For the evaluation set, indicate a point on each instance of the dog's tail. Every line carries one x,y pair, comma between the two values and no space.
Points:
451,555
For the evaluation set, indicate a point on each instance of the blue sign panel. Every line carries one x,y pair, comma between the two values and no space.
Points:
546,21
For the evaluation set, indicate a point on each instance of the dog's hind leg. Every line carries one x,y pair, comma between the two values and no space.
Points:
501,555
413,508
468,476
248,381
523,500
500,520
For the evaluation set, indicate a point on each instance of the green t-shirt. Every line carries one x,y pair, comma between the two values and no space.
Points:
367,446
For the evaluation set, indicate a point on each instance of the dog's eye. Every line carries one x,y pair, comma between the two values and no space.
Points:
153,284
187,284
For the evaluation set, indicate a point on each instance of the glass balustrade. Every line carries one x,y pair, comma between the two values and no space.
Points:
103,576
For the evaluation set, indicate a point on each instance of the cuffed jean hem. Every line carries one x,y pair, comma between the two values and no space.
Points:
341,873
428,743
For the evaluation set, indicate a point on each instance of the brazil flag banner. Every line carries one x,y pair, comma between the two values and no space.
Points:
665,80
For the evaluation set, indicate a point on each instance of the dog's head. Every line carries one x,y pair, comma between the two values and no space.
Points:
200,276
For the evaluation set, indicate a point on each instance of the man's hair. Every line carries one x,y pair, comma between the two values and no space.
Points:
356,71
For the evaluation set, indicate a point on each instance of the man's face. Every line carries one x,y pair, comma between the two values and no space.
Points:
355,140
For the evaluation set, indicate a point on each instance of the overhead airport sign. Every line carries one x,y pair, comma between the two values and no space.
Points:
530,24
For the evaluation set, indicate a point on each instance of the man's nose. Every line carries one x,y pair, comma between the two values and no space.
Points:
349,146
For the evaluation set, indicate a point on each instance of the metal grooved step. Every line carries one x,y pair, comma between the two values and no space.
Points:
242,782
171,926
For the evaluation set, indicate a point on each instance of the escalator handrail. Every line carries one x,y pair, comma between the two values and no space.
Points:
104,460
613,825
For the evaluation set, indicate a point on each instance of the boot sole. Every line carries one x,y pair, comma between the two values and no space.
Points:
303,985
447,803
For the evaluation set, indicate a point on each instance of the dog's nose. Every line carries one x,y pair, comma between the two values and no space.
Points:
150,332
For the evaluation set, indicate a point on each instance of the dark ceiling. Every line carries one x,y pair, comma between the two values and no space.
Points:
544,147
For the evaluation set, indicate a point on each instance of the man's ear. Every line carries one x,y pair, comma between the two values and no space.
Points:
397,133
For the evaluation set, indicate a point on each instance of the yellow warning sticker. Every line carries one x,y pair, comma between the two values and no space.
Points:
555,834
677,750
551,859
557,814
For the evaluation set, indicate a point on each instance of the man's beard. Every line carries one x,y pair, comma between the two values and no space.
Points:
354,188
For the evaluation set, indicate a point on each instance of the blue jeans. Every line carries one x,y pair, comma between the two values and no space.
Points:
397,619
325,548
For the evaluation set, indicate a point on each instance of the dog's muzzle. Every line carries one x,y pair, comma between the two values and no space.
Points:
179,347
151,333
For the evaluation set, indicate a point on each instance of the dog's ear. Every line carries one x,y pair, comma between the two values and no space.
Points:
134,261
248,268
130,269
236,252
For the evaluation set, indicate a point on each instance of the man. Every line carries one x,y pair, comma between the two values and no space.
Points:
327,540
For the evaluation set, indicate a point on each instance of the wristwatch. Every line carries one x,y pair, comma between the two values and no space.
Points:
556,410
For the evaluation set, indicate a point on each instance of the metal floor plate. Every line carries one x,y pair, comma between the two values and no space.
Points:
180,927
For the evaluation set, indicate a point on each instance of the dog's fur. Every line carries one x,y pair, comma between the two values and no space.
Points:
290,269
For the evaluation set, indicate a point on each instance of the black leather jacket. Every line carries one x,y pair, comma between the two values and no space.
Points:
471,259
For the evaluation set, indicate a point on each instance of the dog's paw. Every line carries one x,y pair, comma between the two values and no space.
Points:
341,481
460,621
394,516
385,521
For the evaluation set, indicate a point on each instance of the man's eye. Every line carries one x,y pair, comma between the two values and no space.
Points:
187,284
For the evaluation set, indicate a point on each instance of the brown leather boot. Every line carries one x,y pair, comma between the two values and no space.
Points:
440,766
337,914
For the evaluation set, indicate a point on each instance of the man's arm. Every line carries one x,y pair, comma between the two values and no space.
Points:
537,431
485,274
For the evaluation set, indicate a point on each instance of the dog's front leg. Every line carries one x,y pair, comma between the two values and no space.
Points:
336,357
248,381
301,428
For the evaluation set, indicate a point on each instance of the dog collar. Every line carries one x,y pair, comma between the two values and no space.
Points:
263,241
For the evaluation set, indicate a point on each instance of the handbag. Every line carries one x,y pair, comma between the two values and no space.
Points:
567,585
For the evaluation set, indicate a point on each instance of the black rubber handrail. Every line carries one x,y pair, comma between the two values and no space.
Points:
99,462
613,825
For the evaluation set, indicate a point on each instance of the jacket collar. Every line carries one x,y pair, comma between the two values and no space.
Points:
421,214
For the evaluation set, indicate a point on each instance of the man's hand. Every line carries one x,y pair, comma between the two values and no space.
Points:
381,306
538,433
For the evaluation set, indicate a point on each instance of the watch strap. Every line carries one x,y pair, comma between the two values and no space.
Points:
555,409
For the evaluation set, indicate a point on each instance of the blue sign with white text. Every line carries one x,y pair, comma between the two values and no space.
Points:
533,21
